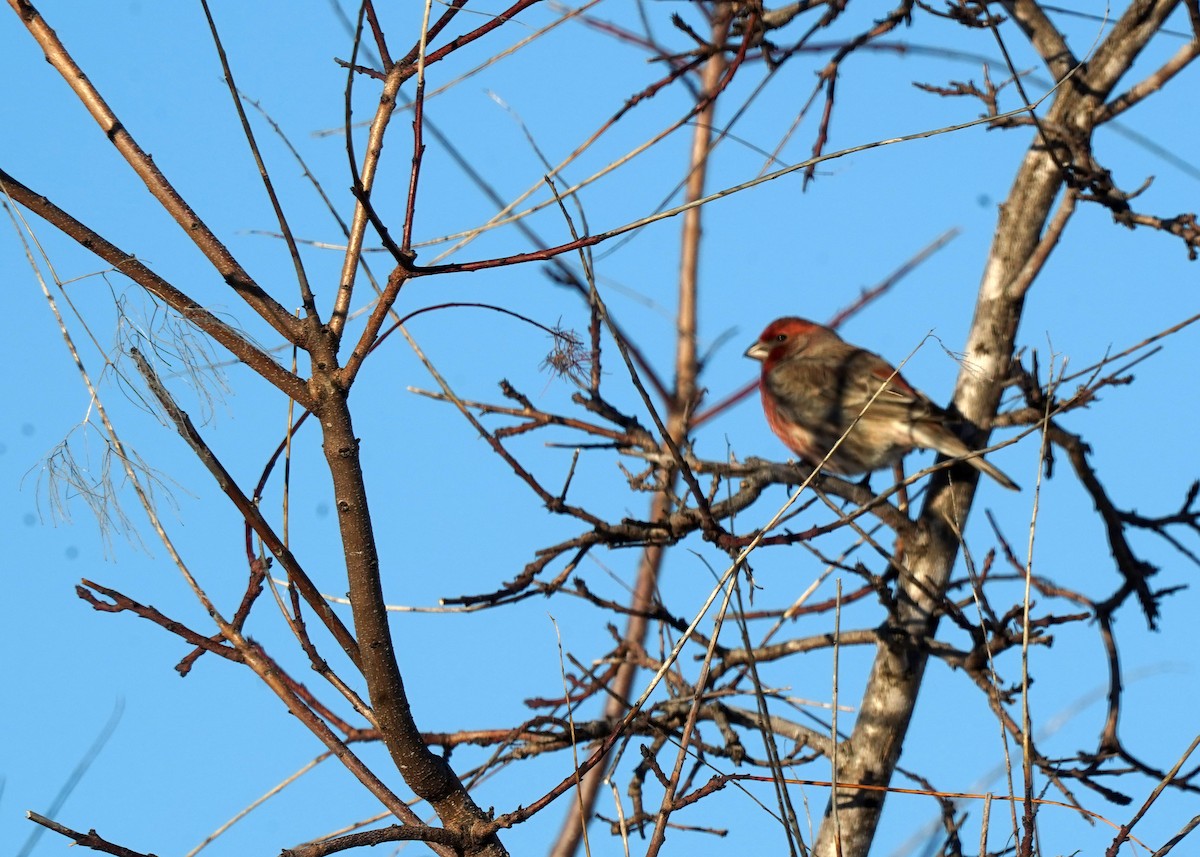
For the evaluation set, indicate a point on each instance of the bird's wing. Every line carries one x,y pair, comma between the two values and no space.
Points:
872,380
805,391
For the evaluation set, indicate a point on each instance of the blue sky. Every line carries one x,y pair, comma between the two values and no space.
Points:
188,754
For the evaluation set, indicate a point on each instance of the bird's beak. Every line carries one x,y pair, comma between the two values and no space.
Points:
758,351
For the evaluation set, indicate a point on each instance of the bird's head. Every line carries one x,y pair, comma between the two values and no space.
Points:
784,337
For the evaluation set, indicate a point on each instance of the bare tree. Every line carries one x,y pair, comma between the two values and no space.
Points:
701,693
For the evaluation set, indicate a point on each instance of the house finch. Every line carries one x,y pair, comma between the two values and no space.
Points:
818,389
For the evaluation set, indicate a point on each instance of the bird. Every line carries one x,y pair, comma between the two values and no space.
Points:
817,389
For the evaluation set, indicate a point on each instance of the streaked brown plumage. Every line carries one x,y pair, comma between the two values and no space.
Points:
815,385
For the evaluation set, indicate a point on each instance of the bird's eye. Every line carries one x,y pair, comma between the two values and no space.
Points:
781,337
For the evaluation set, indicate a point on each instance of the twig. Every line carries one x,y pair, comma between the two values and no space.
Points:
91,839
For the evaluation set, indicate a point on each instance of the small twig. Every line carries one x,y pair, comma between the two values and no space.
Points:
418,142
310,306
120,603
91,839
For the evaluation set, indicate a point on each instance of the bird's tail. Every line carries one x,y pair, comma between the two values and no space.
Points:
983,465
944,441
